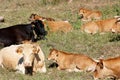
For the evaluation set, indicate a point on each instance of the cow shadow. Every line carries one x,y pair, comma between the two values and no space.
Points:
115,38
54,64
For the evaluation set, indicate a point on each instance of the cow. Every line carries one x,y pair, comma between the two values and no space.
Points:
22,56
17,33
51,25
58,26
100,26
89,15
37,17
72,62
107,68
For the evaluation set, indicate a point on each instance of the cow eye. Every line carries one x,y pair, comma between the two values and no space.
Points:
57,55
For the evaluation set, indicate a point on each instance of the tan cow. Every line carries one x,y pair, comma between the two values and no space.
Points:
17,57
72,62
107,68
51,25
88,15
100,26
56,26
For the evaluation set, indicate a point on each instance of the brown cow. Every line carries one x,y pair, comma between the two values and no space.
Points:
53,26
72,62
107,68
99,26
88,15
56,26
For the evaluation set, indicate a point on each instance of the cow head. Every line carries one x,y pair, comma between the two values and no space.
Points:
34,17
39,29
102,71
29,52
83,12
53,55
98,70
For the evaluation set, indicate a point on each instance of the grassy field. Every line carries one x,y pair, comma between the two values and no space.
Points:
95,46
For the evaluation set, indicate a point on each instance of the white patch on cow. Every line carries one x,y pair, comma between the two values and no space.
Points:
66,21
87,31
113,30
20,68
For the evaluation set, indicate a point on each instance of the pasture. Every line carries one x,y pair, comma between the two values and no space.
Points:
96,46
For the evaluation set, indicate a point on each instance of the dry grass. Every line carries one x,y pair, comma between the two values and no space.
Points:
95,46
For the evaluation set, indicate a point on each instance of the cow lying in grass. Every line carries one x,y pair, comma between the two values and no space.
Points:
18,33
108,68
53,26
58,26
88,15
100,26
72,62
19,57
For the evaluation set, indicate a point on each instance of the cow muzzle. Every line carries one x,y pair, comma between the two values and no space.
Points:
81,16
27,64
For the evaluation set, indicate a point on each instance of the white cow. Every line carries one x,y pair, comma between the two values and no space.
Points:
17,57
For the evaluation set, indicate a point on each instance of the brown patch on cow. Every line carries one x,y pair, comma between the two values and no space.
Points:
35,50
19,50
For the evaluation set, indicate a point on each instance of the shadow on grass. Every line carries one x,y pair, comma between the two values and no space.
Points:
115,38
53,65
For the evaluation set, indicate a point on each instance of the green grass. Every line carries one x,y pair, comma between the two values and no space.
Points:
95,46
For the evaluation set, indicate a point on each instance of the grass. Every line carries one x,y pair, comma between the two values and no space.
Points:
95,46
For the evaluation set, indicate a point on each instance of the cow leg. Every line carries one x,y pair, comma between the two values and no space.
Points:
61,68
40,67
70,70
1,62
43,69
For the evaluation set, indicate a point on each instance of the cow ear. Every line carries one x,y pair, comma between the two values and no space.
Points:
100,64
52,49
19,50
